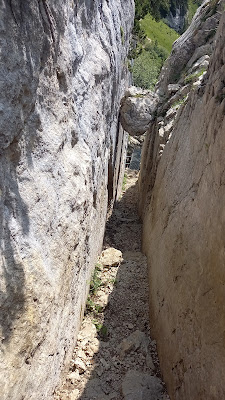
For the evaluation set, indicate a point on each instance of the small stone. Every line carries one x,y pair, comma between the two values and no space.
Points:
111,257
81,354
137,110
74,395
133,342
130,326
149,362
141,386
88,331
93,346
83,344
79,364
105,364
103,298
74,376
173,87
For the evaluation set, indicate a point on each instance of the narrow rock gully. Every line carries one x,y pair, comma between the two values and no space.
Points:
115,357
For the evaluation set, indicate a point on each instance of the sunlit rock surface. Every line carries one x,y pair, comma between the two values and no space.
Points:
62,77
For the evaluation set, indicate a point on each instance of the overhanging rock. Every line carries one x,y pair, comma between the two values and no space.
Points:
137,110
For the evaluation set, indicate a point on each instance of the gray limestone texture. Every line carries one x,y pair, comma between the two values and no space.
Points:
62,150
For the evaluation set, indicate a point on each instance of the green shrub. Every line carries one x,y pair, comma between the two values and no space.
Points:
146,70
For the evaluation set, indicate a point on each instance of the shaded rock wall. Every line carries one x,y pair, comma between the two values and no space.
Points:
183,237
62,76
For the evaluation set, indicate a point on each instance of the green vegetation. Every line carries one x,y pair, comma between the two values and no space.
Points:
101,329
180,102
160,8
193,77
152,52
146,70
97,324
92,307
192,8
124,182
159,32
122,35
154,38
96,282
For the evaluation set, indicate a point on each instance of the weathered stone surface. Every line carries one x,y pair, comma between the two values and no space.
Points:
133,342
74,377
111,257
183,238
173,88
140,386
80,365
75,394
62,77
88,332
137,110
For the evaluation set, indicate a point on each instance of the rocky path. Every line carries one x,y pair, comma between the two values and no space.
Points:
115,357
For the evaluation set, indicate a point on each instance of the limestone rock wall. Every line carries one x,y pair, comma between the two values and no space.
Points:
183,236
63,73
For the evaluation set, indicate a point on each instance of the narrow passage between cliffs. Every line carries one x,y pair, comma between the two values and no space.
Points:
115,357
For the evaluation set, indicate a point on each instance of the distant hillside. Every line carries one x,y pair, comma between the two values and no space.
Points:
153,38
161,8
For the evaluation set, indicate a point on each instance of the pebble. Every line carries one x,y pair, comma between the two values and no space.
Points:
81,354
93,346
79,364
136,340
130,326
74,376
74,394
111,257
141,386
105,364
88,331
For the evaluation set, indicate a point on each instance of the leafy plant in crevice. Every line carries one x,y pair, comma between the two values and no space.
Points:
124,182
180,102
95,282
122,35
193,77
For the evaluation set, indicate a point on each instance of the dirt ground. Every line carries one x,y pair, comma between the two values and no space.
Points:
115,357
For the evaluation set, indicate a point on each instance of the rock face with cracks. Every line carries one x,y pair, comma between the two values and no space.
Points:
63,75
183,213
